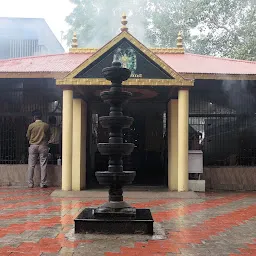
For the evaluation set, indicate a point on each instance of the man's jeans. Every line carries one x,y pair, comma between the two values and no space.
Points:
34,152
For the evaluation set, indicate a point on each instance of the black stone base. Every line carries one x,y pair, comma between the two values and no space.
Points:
141,224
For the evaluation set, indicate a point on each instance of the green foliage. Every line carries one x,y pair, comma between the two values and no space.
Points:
97,22
216,27
227,28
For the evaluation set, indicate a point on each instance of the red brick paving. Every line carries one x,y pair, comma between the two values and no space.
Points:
71,206
50,222
48,209
22,197
45,245
250,250
181,238
181,211
186,237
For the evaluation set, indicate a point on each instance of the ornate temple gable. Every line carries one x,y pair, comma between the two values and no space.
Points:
131,57
146,67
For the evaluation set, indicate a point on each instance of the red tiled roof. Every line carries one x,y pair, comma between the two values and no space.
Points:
203,64
47,63
181,63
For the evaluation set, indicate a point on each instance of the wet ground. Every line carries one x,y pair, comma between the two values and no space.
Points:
34,223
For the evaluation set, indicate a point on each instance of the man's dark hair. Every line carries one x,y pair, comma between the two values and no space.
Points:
37,114
52,120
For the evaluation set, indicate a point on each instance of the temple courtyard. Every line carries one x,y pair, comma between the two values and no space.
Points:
34,222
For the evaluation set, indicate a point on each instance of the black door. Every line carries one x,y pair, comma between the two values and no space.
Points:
148,135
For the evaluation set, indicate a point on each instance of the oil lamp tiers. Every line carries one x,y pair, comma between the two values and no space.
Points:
115,177
115,216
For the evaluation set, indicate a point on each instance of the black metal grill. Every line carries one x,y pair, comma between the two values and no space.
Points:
17,103
223,124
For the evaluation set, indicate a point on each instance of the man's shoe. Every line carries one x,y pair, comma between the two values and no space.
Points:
43,186
30,185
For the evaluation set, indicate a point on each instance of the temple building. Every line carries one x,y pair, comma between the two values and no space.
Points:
182,104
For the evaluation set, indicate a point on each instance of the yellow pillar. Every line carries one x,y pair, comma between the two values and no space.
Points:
183,115
67,139
79,145
173,144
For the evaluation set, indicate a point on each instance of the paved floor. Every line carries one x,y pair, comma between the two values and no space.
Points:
34,223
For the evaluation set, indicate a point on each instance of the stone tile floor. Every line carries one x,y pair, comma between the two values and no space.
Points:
34,223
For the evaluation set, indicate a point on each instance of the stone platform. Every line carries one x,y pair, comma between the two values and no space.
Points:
85,222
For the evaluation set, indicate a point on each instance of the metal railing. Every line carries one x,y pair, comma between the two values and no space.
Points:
226,129
15,117
225,132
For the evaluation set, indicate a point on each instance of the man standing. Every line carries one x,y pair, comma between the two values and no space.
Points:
38,135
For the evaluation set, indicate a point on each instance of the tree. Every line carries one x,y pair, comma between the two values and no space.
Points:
214,27
98,21
81,21
165,19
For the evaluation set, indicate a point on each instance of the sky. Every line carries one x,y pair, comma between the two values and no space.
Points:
53,11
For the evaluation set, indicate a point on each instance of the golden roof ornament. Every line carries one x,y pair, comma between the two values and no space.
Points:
124,23
74,41
179,40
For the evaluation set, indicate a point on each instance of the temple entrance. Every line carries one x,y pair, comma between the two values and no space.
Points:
148,133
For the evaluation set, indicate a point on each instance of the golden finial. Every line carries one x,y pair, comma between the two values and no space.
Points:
124,23
179,40
74,41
